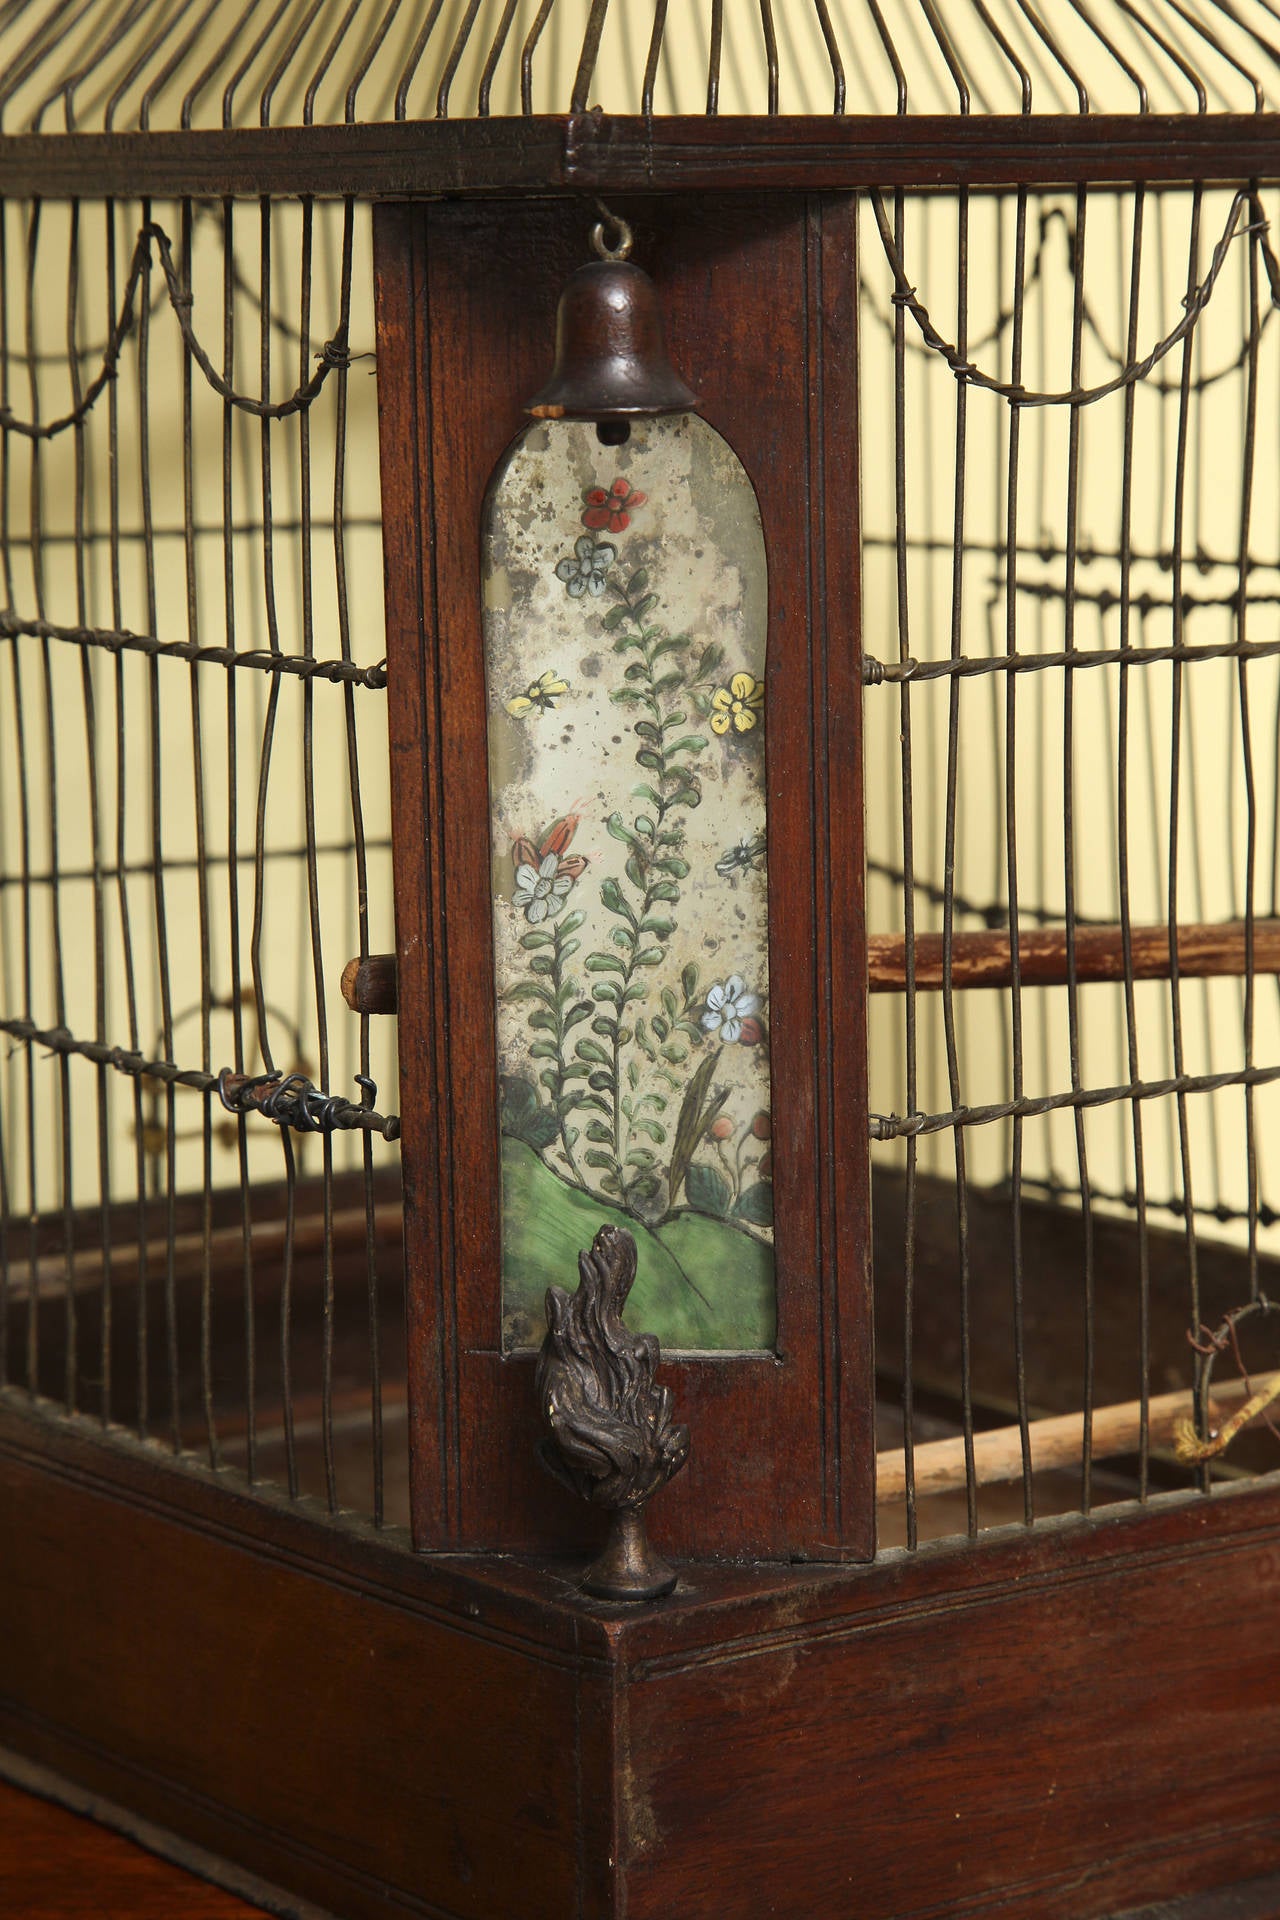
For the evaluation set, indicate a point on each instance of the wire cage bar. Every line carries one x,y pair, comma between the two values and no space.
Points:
195,817
1073,382
1076,1184
99,67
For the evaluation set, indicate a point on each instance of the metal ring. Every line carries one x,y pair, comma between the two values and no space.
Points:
625,240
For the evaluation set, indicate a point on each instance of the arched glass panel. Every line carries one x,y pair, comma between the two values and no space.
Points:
625,604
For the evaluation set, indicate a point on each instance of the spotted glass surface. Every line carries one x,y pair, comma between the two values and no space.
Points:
625,600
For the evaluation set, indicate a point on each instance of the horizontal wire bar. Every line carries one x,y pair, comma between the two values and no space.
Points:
1086,553
291,1100
242,530
1220,1210
121,640
307,1110
965,666
190,863
892,1126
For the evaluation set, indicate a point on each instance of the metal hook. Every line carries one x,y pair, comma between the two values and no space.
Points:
625,238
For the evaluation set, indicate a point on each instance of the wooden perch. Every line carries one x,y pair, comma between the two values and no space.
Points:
369,985
979,959
985,959
1057,1442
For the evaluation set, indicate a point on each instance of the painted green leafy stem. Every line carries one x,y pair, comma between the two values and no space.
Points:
611,1090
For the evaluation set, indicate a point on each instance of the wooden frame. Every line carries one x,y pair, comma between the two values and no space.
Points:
759,297
590,153
1049,1724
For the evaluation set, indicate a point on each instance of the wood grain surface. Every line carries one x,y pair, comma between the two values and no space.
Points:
606,153
783,1441
56,1866
1052,1724
986,959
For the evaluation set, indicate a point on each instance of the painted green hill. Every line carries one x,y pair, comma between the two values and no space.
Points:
546,1224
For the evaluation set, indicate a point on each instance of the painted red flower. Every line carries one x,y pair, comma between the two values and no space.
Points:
613,509
552,846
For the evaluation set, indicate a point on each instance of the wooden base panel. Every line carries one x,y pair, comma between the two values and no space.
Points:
1059,1724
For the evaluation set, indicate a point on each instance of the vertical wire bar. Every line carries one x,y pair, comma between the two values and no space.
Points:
157,845
1246,739
496,46
1040,748
6,570
32,1329
527,52
123,787
1011,841
833,55
655,54
713,58
1175,799
770,51
1122,855
588,56
95,824
454,57
259,853
313,880
53,837
233,836
202,872
1203,989
1162,512
341,375
999,530
8,1079
1068,838
949,856
908,873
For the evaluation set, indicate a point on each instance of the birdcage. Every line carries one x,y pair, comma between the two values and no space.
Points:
639,643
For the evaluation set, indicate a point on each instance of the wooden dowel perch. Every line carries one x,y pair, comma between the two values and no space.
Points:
985,959
369,985
979,959
1059,1441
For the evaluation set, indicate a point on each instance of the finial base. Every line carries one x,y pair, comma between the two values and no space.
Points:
628,1569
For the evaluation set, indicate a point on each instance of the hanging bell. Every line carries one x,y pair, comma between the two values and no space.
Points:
611,358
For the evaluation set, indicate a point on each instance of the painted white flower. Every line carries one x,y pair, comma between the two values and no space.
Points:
586,571
541,891
729,1008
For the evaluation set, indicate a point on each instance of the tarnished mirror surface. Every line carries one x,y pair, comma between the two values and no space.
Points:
625,606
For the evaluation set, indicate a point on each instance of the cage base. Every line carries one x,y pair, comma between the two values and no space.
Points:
1050,1716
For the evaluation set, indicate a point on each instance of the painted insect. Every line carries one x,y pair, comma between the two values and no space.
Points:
539,696
747,857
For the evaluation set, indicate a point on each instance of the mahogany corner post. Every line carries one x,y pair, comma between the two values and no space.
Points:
759,295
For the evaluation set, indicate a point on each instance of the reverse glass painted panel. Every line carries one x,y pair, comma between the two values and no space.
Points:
625,602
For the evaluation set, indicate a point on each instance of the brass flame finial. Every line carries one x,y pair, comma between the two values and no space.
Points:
615,1442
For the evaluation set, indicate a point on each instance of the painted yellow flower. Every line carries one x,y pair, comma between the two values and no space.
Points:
737,705
540,695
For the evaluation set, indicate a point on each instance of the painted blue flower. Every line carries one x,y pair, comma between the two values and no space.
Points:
541,891
585,573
